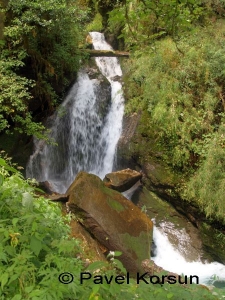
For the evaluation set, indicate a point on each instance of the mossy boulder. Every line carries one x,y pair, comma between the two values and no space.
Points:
112,219
122,180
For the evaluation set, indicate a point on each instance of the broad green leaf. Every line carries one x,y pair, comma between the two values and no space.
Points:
6,166
35,245
4,279
34,226
14,221
95,289
3,256
120,265
117,253
28,289
10,250
27,200
17,297
36,293
13,277
96,265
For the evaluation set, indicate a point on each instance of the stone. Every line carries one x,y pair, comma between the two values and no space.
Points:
46,187
89,39
122,180
91,250
113,220
102,90
116,78
181,233
58,197
219,283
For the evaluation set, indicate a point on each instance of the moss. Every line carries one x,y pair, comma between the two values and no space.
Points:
115,205
144,242
214,242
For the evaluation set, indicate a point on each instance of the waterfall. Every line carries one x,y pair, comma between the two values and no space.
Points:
171,259
86,138
110,68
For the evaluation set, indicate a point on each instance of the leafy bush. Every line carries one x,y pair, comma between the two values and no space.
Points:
182,93
142,22
96,24
38,53
207,185
34,242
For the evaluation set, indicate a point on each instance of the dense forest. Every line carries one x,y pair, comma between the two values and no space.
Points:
174,79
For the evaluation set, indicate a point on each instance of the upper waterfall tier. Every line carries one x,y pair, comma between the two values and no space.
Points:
86,127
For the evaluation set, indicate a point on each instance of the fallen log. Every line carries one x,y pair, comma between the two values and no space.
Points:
105,53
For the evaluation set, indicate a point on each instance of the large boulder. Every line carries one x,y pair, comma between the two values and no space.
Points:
122,180
113,220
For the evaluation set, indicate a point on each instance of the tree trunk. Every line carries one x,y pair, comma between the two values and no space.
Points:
106,53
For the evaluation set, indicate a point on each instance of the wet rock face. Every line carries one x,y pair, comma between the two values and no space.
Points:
122,180
180,232
102,90
46,187
113,220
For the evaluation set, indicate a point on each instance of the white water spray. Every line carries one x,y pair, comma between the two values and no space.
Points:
170,259
86,140
110,68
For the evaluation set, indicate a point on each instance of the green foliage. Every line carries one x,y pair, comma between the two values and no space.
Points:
207,185
34,243
39,52
14,95
182,93
145,21
96,24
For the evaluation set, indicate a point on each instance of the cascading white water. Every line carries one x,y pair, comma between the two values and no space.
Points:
110,68
86,140
170,259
